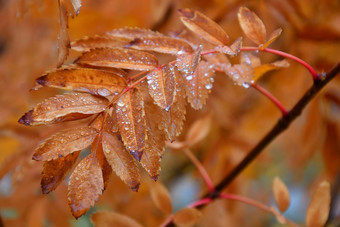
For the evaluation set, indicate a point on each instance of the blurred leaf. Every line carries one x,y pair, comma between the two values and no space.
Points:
108,219
161,197
281,194
198,130
252,25
187,217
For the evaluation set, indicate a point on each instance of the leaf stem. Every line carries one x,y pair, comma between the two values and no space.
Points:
286,55
271,98
200,168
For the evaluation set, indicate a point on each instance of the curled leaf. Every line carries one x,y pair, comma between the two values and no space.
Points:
65,142
318,209
85,186
88,43
252,25
66,107
63,39
281,194
187,217
132,33
119,58
109,219
93,81
203,26
272,37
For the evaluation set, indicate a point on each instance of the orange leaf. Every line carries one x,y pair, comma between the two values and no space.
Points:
187,63
110,219
187,217
132,33
250,59
65,142
93,81
198,130
162,86
233,50
318,209
88,43
262,69
66,107
161,197
281,194
203,26
252,25
131,122
120,160
272,37
97,148
119,58
54,171
85,186
64,39
218,60
199,84
165,45
241,74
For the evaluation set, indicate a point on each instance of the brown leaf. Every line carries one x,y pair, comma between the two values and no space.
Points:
131,122
318,209
199,84
281,194
63,39
119,58
187,63
203,26
161,197
120,160
252,25
162,86
65,142
97,148
272,37
93,81
198,130
187,217
132,33
165,45
85,186
220,61
250,59
88,43
233,50
110,219
241,74
54,171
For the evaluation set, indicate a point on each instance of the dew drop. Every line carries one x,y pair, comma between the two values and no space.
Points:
246,85
120,103
104,92
189,77
208,86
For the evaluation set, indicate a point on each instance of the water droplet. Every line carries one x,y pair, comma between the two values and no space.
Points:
246,85
104,92
167,108
189,77
208,86
120,103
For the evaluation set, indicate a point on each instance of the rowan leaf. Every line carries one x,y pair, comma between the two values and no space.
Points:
218,60
132,33
281,194
318,209
272,37
88,43
85,186
187,217
198,130
199,84
242,74
262,69
63,39
65,142
203,26
233,50
109,219
131,122
54,171
97,148
165,45
187,63
252,25
162,88
66,107
250,59
120,160
161,197
93,81
119,58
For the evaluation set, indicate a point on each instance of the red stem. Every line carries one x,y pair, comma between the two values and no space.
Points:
271,98
286,55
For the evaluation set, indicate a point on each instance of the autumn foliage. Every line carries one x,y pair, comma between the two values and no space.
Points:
124,100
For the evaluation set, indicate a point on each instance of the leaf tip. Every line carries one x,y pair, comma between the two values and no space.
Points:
27,118
186,13
137,155
41,80
135,188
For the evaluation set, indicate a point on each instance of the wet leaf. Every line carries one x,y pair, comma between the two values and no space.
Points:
63,39
162,86
198,130
281,194
199,84
272,37
318,209
161,197
241,74
97,148
203,26
165,45
65,142
120,160
187,63
109,219
66,107
132,33
252,25
93,81
233,50
119,58
131,122
88,43
250,59
187,217
54,171
85,186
